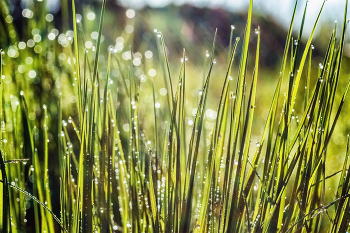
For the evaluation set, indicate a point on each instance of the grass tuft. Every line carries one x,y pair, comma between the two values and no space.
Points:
129,165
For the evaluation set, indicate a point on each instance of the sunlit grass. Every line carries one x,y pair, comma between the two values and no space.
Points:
99,138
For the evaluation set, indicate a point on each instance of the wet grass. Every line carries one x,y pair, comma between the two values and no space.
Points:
126,167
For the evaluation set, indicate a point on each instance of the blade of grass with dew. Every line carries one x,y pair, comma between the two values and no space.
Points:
15,161
76,129
217,143
343,183
269,122
153,200
104,153
216,161
308,111
248,122
182,126
32,146
293,93
172,102
82,174
115,56
41,190
320,124
193,153
251,105
46,169
292,164
78,205
167,67
228,171
214,156
4,214
303,59
286,127
336,73
179,144
156,164
327,111
68,140
77,67
344,222
316,212
288,216
226,183
241,160
5,221
123,193
246,135
37,201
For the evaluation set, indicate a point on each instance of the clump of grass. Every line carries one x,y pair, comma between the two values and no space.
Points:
152,177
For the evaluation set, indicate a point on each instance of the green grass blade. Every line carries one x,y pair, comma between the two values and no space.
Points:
37,201
5,221
241,160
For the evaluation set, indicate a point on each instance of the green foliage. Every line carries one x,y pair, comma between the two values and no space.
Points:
124,167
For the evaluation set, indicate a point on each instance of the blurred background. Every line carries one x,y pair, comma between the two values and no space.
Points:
188,21
36,37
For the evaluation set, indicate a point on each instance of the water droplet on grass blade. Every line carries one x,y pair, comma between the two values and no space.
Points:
257,31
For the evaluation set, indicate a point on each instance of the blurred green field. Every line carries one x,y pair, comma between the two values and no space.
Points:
46,97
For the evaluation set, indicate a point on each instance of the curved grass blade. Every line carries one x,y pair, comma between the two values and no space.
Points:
16,161
37,201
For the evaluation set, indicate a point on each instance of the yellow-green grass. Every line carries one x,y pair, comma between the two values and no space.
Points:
117,142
